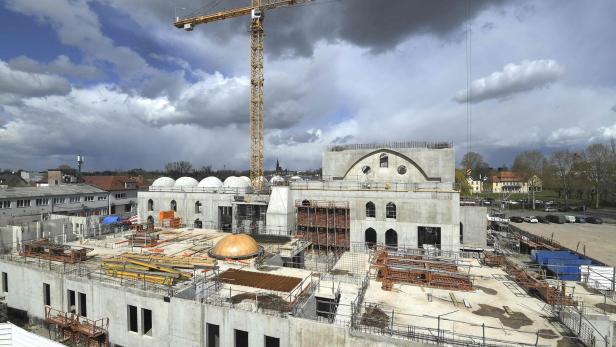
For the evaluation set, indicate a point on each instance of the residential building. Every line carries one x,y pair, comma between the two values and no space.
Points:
27,204
122,197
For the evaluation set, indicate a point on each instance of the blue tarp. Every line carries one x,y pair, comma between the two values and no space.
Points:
563,264
111,219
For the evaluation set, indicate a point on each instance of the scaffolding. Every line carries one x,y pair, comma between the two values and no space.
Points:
325,224
249,217
78,330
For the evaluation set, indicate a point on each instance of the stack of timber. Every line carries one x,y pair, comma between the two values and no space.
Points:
44,249
157,269
414,269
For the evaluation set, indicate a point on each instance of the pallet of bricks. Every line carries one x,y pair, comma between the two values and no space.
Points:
78,330
416,270
169,220
143,238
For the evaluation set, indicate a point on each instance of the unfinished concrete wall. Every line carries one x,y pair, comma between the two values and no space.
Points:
474,222
176,322
421,163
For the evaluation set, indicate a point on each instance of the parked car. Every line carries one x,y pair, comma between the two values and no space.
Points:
550,209
580,219
531,219
570,219
564,209
594,220
542,219
516,219
556,218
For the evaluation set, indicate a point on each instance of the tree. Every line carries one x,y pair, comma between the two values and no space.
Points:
529,165
474,161
597,168
465,187
178,168
563,163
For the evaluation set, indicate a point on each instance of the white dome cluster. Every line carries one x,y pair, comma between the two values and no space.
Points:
186,182
277,180
210,182
237,182
165,182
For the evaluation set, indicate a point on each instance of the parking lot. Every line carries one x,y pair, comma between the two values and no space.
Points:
599,240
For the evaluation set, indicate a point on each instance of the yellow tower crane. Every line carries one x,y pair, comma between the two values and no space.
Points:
256,10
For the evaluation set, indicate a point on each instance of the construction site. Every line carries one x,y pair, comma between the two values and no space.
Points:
164,286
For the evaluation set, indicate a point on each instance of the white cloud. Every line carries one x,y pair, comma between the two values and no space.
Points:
528,75
608,132
25,84
566,136
62,65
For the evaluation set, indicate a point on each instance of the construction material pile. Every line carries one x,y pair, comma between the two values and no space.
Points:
414,269
43,249
143,238
169,220
154,268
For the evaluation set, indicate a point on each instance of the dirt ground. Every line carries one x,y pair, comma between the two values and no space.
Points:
599,239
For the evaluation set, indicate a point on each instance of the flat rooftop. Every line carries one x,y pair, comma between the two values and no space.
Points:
596,239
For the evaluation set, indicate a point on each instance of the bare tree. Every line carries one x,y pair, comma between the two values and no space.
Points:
563,163
530,166
178,168
474,161
597,168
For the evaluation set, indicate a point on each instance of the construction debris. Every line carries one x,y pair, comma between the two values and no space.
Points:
43,249
414,269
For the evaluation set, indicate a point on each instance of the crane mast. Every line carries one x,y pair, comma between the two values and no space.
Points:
256,11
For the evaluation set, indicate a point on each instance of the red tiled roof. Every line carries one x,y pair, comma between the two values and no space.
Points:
507,176
112,182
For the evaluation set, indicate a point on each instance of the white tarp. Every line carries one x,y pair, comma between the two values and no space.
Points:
12,335
598,277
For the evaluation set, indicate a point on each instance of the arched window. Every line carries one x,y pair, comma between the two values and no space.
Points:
173,206
383,160
198,223
306,203
370,209
390,210
150,205
150,220
370,237
197,207
391,239
461,233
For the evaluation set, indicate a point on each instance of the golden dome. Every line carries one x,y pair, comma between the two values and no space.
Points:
236,246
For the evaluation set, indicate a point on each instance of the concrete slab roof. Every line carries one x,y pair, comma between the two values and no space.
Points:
59,190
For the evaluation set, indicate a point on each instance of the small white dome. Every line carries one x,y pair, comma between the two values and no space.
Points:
186,182
295,178
246,179
276,180
210,182
263,180
237,182
163,182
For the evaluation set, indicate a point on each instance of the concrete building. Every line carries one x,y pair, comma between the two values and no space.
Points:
507,182
26,204
9,180
122,191
395,194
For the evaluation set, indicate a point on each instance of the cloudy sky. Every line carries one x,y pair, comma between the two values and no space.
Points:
115,81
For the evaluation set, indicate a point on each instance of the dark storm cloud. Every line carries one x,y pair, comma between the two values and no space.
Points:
376,25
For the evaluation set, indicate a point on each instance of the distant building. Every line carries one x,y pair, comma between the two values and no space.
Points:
476,184
508,182
10,180
122,191
34,178
27,204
